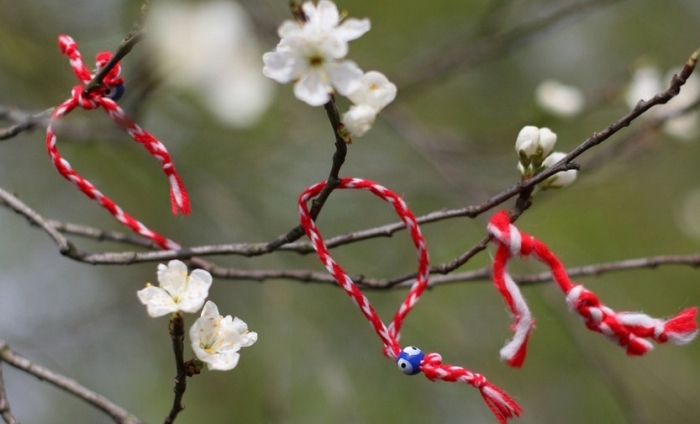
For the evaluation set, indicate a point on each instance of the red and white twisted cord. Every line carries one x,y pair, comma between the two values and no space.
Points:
97,98
627,329
430,364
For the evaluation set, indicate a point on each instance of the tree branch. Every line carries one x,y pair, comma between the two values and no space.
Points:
135,35
5,411
23,121
118,414
177,334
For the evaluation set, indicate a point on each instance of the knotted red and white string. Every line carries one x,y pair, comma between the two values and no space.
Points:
431,365
627,329
99,97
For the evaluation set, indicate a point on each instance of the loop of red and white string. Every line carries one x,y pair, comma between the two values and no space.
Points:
628,329
410,360
105,96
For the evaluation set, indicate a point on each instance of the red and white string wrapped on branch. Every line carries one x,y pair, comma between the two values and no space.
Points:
410,359
105,96
630,330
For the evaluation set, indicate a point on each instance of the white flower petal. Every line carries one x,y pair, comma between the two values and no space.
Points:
224,362
359,119
352,29
312,89
325,16
345,76
527,141
279,65
173,278
547,141
249,338
289,28
210,310
158,301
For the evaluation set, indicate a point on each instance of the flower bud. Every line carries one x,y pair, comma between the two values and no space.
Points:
547,141
560,179
526,143
359,119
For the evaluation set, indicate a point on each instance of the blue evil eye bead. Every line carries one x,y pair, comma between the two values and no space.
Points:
114,92
409,360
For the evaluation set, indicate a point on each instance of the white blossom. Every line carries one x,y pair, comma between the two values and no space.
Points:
375,91
534,144
216,339
210,49
309,54
373,95
177,292
560,179
359,119
559,99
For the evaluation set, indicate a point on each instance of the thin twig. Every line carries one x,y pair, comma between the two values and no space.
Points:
23,121
177,334
118,414
341,150
132,38
5,410
64,246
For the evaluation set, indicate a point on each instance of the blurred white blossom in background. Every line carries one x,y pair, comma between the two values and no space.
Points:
559,99
647,82
210,49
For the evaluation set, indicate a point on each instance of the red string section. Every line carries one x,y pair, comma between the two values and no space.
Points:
629,330
112,86
430,364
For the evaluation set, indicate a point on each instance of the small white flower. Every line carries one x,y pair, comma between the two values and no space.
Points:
533,145
177,292
359,119
559,99
216,340
310,54
375,91
527,142
560,179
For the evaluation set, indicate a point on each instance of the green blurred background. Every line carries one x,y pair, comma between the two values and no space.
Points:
447,142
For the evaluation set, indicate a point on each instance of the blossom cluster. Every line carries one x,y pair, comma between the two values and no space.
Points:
216,339
534,146
311,53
